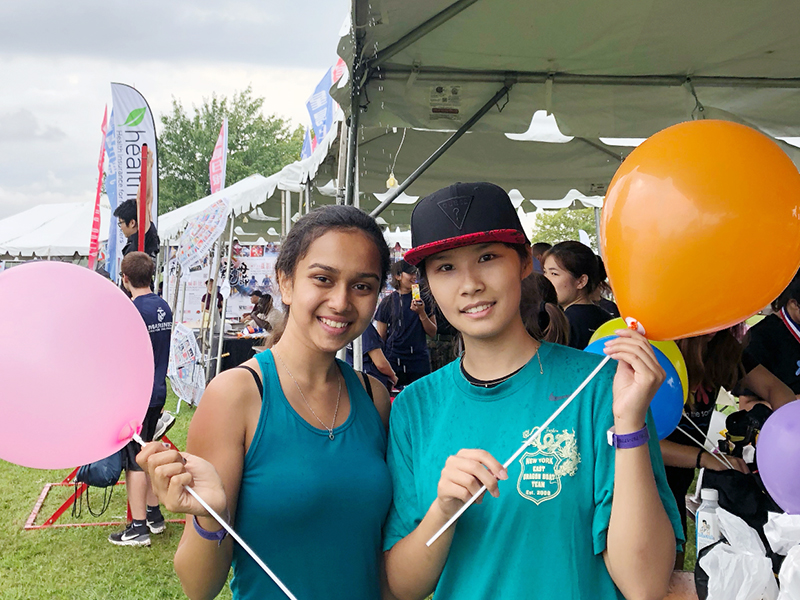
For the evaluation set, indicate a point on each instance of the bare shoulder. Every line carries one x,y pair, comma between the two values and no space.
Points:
228,409
380,398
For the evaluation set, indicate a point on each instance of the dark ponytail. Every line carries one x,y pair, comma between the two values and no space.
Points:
541,314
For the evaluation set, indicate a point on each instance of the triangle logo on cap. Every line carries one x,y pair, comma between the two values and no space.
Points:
456,209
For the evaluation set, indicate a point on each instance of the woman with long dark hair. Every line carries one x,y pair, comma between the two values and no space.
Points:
573,270
291,448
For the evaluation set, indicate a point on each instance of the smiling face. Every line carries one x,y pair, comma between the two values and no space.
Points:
478,287
334,291
406,280
568,288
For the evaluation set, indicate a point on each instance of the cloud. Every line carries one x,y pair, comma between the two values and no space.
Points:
267,33
22,126
57,60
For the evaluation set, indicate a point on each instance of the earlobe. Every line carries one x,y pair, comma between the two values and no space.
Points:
582,281
285,286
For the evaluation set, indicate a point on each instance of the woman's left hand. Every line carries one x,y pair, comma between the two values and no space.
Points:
638,375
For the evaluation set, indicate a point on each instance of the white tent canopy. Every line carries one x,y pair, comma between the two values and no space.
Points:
626,70
250,193
538,169
53,229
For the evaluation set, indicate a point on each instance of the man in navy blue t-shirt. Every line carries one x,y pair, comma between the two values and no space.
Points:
137,271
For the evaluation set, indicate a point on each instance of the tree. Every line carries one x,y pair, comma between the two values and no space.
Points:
256,144
564,224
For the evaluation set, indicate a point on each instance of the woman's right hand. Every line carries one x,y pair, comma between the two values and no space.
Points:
707,461
462,477
171,472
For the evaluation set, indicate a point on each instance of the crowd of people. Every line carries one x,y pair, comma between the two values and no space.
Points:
337,485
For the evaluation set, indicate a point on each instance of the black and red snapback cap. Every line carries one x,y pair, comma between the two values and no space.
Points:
463,214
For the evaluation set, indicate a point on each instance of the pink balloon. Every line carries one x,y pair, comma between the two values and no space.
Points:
77,366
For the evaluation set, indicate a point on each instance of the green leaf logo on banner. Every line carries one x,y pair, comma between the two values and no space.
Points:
134,118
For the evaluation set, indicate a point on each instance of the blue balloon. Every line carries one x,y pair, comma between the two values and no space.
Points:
667,404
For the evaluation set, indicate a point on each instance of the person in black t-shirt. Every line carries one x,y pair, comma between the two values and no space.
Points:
572,269
712,361
775,342
137,271
403,323
375,362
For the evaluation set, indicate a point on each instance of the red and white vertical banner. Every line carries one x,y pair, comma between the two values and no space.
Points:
94,241
219,160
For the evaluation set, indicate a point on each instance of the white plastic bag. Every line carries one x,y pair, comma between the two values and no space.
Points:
742,570
790,575
783,532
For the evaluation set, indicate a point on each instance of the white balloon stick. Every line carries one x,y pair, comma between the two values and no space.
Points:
531,439
232,533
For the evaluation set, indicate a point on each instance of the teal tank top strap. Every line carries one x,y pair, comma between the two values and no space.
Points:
269,379
354,386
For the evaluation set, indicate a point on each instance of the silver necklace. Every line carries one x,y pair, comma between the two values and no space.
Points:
303,396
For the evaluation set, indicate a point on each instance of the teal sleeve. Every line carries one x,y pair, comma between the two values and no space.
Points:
405,513
604,484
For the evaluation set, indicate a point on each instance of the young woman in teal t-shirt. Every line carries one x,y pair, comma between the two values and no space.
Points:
572,518
292,453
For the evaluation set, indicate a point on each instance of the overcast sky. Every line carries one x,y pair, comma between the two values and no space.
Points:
58,58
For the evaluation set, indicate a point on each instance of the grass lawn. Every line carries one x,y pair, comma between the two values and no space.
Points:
79,562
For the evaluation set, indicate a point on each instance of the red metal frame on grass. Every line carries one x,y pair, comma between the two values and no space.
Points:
80,489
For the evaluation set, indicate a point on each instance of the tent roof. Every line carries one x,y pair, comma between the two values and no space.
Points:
626,70
250,192
538,169
52,229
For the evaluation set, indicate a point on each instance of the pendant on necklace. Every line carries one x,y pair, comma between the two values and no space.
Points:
330,435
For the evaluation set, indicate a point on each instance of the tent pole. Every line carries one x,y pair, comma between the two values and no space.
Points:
288,211
421,31
225,299
283,214
597,227
183,296
402,72
308,196
352,145
175,292
395,192
342,163
213,306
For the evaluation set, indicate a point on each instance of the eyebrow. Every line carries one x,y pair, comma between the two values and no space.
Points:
330,269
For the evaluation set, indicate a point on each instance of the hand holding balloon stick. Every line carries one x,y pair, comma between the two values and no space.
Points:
531,439
224,524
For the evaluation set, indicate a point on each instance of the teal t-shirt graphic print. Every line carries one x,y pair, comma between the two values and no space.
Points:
544,536
553,455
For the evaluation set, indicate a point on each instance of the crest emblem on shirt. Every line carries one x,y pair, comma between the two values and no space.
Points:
550,458
161,314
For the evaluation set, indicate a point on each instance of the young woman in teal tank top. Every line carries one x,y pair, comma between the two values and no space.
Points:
299,470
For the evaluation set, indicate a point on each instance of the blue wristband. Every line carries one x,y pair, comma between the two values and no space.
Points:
628,440
212,536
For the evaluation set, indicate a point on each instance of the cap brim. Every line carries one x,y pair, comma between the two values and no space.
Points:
507,236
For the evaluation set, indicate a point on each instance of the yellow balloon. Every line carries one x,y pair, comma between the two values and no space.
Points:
669,348
673,353
608,328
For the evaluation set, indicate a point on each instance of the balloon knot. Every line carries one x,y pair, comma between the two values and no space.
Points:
635,325
128,430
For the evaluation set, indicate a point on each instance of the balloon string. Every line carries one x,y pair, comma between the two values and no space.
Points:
531,439
714,449
233,534
701,445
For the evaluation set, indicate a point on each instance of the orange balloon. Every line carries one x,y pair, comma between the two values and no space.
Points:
701,228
